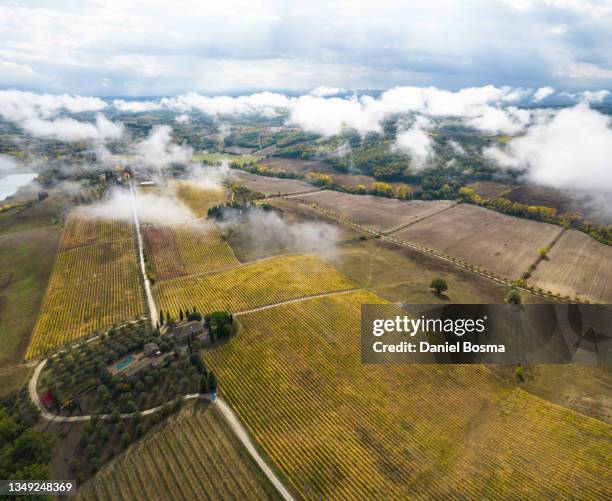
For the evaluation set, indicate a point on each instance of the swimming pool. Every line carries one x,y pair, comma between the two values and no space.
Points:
124,362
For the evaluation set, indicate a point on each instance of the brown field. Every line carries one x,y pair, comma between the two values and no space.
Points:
192,456
500,244
340,429
577,265
382,214
297,165
185,249
490,189
403,275
549,197
271,185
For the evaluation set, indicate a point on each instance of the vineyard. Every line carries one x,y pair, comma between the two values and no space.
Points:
338,429
91,287
179,250
194,456
80,231
251,285
198,197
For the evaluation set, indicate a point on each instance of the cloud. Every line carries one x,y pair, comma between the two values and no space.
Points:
259,103
36,113
135,106
416,142
323,91
571,150
152,208
7,164
587,96
158,150
18,106
68,129
264,228
542,93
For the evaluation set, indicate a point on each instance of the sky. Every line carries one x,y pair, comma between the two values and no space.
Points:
155,48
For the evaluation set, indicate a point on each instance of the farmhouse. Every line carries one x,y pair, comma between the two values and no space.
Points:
185,332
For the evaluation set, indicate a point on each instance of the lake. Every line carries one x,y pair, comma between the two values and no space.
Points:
11,183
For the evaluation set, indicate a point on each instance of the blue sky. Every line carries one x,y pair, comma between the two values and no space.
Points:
110,48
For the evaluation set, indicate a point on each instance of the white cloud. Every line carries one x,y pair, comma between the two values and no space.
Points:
589,96
7,164
135,106
158,150
68,129
416,142
542,93
572,150
324,91
151,208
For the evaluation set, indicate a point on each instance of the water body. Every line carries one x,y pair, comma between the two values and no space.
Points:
11,183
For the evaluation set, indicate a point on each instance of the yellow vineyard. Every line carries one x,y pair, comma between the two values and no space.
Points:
338,429
180,250
91,287
198,198
80,231
250,286
194,456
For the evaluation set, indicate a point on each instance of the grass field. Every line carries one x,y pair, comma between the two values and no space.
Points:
199,198
577,265
338,429
13,378
251,285
504,245
193,456
382,214
270,186
90,289
183,249
26,261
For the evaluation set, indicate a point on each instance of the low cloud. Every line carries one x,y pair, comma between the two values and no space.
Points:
69,130
152,208
323,91
569,150
7,164
158,149
210,177
266,227
416,142
135,106
542,93
588,96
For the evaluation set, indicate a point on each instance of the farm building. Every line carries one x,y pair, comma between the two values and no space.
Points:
185,332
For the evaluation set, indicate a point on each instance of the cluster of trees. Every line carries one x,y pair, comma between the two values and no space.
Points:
220,324
183,314
82,372
24,451
238,211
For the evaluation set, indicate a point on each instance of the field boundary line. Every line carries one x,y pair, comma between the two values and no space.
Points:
417,248
539,259
443,209
298,300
